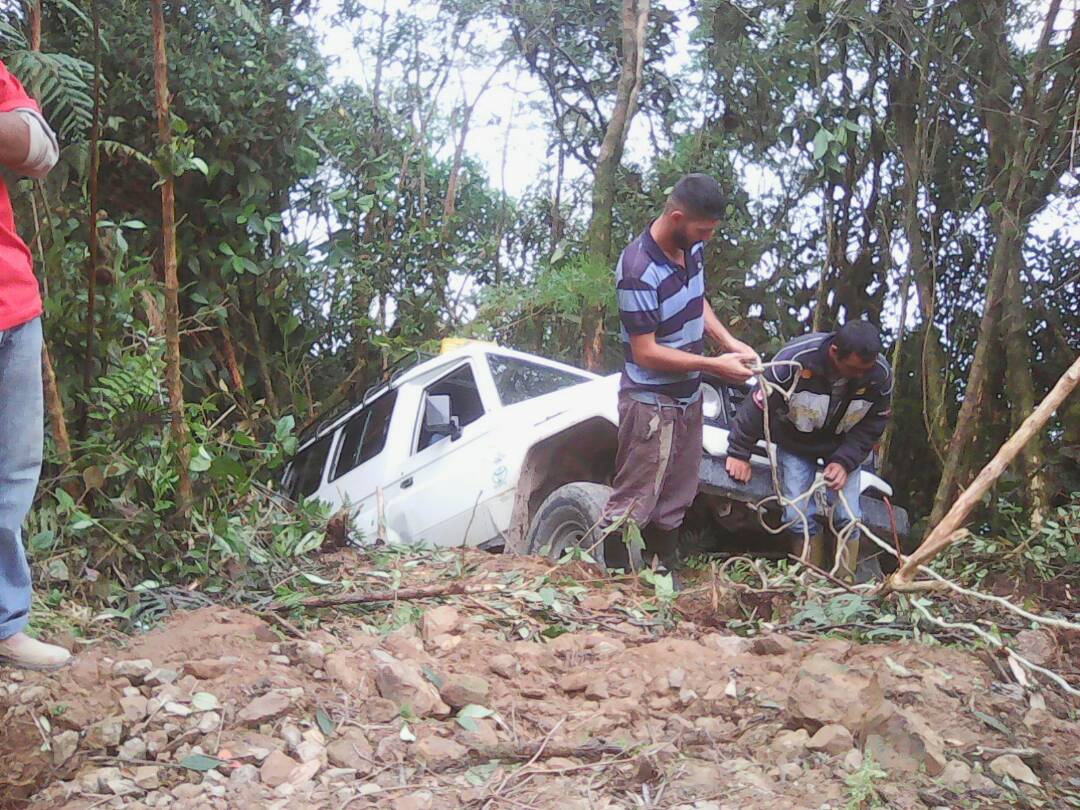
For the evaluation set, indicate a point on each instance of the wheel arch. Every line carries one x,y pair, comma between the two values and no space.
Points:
582,452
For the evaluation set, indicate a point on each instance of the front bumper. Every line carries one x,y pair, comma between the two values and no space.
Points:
714,480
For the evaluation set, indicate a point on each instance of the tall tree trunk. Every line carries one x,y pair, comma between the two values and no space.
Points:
55,406
54,403
635,18
558,224
174,381
94,258
819,323
35,25
264,368
912,109
1020,388
967,419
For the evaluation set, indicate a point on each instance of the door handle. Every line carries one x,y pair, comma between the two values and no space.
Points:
408,482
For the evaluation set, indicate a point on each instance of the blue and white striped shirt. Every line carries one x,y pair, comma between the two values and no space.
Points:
658,296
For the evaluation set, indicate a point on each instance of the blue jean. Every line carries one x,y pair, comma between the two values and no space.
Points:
797,475
21,436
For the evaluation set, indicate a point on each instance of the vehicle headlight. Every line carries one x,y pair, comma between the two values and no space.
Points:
711,404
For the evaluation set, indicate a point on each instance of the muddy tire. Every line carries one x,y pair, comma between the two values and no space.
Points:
568,517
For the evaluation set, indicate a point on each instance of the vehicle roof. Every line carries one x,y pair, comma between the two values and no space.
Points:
424,368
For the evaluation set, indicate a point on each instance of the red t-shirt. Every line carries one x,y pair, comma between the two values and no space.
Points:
20,299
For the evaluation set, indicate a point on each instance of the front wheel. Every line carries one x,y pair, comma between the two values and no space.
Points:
568,517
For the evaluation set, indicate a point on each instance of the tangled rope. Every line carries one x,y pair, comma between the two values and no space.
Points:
855,526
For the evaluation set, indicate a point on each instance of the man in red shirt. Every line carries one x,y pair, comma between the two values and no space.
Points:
28,147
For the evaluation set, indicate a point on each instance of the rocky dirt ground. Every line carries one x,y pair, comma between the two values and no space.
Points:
542,687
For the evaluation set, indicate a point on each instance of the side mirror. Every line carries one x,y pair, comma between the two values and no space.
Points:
439,417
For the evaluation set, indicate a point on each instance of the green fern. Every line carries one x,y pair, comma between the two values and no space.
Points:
60,83
62,86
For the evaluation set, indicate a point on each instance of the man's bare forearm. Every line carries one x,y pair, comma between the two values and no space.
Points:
720,334
653,356
14,140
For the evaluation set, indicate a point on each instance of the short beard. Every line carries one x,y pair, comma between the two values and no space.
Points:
682,240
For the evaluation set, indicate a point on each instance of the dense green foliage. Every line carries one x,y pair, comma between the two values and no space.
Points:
914,166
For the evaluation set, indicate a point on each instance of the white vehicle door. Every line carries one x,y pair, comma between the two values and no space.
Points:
359,466
437,496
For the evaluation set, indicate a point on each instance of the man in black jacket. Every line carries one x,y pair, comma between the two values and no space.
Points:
837,412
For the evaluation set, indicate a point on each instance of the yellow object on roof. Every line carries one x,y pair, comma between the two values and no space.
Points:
453,344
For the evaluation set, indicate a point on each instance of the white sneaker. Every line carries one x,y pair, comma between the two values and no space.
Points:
24,652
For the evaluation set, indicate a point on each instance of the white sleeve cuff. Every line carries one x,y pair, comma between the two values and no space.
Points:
44,149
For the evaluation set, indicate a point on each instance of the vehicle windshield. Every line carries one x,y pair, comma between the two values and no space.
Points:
518,380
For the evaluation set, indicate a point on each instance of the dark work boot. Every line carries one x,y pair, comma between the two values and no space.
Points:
869,566
662,546
616,555
818,552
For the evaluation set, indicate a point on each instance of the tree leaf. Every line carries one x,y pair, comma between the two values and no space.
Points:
326,725
204,702
821,143
202,763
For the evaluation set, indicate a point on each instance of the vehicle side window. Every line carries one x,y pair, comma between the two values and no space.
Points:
305,471
465,405
364,435
519,380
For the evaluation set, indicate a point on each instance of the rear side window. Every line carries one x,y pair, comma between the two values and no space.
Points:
305,471
519,380
364,435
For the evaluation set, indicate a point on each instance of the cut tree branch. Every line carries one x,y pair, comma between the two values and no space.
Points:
947,531
401,595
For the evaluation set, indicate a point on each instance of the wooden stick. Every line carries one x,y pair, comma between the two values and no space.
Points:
403,594
947,530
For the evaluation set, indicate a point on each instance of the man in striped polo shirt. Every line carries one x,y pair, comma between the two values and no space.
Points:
665,317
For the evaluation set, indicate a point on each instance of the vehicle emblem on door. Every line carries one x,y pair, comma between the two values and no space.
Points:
500,472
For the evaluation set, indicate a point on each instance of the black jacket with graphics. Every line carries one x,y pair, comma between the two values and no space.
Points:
811,424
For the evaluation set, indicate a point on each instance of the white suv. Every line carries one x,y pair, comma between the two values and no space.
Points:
485,446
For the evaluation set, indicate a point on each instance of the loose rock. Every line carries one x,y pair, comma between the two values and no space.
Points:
207,669
351,751
772,644
789,746
133,749
832,739
134,708
147,777
505,666
277,769
437,621
162,676
1038,646
311,653
461,690
903,741
246,774
1012,766
826,692
105,733
135,670
344,669
957,774
266,707
439,752
64,746
403,683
